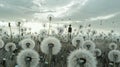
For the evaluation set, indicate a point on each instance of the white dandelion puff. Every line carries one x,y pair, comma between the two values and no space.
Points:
65,25
10,46
79,58
77,41
64,38
1,43
112,46
20,42
60,30
50,40
97,52
53,32
114,55
89,45
27,36
28,56
20,23
28,44
43,32
41,37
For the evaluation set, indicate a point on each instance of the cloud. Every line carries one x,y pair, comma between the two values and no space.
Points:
2,5
77,10
102,17
94,8
39,3
71,7
61,11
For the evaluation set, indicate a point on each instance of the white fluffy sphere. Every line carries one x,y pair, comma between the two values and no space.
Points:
41,37
45,48
97,52
89,45
64,38
77,54
60,30
1,43
43,31
28,53
74,41
112,46
27,44
20,43
114,55
10,45
27,36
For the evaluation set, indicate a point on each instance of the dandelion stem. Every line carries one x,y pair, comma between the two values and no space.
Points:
50,54
10,31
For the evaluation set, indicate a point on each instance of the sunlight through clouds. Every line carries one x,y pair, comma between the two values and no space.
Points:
63,10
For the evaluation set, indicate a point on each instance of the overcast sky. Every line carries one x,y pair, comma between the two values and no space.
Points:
76,11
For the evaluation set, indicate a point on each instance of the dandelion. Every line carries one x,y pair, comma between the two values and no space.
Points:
20,43
114,55
89,45
94,32
81,58
53,32
1,43
19,24
112,46
28,44
10,46
43,32
111,64
69,30
50,17
65,39
4,62
27,36
41,37
77,41
28,58
45,45
60,30
65,25
9,25
97,52
50,46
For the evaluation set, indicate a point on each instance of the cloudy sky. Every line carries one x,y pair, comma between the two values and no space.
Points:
95,12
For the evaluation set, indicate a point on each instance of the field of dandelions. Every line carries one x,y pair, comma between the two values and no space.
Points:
59,48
